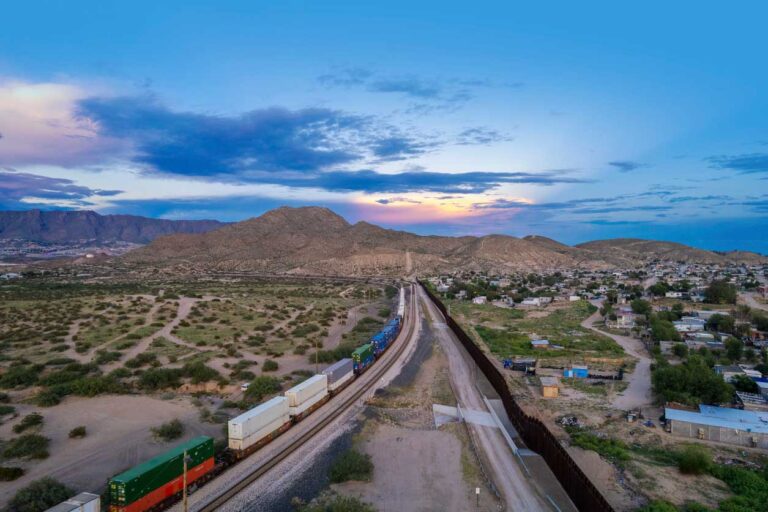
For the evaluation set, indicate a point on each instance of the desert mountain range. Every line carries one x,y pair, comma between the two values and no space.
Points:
314,240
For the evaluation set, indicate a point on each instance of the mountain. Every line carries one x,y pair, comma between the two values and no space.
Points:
313,240
627,250
71,227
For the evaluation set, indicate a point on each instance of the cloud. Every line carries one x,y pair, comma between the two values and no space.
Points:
396,148
573,206
410,86
688,199
626,165
19,190
446,183
345,77
747,163
393,200
481,136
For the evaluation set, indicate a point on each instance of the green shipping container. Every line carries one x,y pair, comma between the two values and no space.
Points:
362,353
140,480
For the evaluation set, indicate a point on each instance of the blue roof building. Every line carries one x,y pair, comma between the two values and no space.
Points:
720,424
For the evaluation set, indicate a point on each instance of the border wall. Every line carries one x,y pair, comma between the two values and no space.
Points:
533,431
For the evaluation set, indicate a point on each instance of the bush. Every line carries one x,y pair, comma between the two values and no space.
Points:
262,386
198,372
611,449
29,421
694,460
39,495
78,432
658,506
31,446
160,378
7,409
351,465
174,429
329,501
692,382
270,365
48,398
8,474
19,376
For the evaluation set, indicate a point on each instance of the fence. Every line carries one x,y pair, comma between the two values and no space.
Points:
533,431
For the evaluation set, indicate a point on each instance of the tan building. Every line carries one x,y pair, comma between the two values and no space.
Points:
549,387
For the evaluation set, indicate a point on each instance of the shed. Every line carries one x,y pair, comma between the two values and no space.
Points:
576,371
540,344
549,387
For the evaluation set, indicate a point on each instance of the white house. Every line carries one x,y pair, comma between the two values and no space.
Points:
674,295
482,299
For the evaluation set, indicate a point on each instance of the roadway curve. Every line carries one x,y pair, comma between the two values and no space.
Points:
515,489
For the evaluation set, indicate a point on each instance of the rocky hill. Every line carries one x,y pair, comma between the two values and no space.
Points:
622,251
315,240
72,227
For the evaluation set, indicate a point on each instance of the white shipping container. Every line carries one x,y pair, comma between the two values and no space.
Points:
255,437
257,418
401,305
295,411
300,393
85,502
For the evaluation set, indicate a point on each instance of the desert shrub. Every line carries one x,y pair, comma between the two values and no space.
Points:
270,366
160,378
19,376
78,432
8,474
351,465
143,359
611,449
27,422
7,409
47,398
198,372
329,501
658,506
4,398
169,431
31,446
39,495
694,460
262,386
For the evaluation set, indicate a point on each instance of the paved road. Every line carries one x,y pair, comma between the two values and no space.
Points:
517,493
638,392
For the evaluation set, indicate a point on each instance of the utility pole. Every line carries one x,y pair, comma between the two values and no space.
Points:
185,504
317,356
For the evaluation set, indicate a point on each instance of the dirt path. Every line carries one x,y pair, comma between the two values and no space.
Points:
515,490
638,392
750,300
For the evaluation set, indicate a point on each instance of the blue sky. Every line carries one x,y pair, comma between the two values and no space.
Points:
575,121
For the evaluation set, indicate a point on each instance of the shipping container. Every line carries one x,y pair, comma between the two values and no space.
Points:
254,420
339,374
307,390
160,478
362,358
258,438
83,502
309,405
401,305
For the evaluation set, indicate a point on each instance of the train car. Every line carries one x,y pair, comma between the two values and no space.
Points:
148,485
258,426
401,305
307,396
83,502
362,358
339,374
380,342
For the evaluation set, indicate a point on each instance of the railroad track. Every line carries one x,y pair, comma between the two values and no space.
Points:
368,380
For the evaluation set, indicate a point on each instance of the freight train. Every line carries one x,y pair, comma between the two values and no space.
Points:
158,482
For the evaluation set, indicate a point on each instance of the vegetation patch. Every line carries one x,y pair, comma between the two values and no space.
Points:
169,431
351,465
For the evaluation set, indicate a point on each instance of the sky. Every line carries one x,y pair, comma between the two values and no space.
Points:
573,120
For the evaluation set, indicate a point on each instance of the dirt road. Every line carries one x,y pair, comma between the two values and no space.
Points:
750,300
638,392
506,474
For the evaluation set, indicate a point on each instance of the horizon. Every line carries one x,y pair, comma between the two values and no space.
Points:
352,222
576,123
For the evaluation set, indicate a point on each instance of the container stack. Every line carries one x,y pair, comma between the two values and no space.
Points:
339,374
258,423
303,396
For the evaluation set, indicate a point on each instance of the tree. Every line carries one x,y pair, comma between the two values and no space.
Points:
641,307
663,330
720,292
658,289
734,349
262,386
744,383
39,495
680,350
692,382
721,323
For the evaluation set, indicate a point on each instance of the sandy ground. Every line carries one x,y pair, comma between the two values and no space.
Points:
749,300
118,438
638,393
415,470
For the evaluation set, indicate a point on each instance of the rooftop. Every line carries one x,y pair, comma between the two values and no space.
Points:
724,417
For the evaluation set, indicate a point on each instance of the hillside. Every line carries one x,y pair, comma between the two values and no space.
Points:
317,241
70,227
627,250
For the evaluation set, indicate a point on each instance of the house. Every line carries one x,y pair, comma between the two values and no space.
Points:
707,314
576,371
536,301
442,287
574,298
762,387
690,324
721,424
10,275
461,294
549,387
674,295
728,372
481,299
540,344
